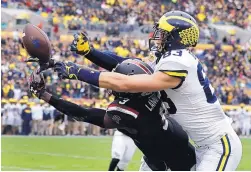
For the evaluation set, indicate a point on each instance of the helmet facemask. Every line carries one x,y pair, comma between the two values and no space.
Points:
159,39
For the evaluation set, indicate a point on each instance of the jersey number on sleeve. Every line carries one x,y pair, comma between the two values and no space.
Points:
204,82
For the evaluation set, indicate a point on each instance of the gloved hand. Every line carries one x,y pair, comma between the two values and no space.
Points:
36,84
67,70
42,66
81,44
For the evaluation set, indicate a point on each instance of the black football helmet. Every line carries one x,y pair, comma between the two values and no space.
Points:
175,30
132,67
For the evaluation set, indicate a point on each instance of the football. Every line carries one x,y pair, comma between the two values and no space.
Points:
36,43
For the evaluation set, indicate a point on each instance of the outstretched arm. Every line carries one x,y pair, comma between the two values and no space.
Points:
104,59
137,83
91,115
94,116
119,82
115,81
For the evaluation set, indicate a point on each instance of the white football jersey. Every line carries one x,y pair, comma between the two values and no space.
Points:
197,109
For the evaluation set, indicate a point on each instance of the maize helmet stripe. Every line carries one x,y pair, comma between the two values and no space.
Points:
163,24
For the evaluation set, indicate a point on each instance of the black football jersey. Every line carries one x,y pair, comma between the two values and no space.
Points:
140,117
144,120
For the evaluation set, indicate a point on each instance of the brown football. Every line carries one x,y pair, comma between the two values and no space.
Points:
36,43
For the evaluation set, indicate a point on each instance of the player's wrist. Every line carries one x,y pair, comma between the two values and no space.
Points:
89,76
44,95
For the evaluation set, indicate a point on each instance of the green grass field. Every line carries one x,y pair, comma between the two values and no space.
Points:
72,153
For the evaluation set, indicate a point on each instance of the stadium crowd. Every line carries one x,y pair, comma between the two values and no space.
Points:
24,114
117,16
79,12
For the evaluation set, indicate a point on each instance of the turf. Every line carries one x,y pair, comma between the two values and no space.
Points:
72,153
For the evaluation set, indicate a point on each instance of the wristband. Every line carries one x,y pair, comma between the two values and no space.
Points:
89,76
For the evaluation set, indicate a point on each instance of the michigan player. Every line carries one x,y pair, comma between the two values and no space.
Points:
123,149
141,116
181,75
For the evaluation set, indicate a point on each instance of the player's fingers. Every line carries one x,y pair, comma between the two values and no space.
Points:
39,70
70,64
60,73
76,36
60,76
59,64
63,76
32,59
75,42
42,68
83,42
84,36
58,69
73,47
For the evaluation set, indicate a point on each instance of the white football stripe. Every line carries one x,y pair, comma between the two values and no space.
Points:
116,108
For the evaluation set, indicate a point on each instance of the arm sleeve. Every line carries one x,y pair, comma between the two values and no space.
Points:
173,68
106,59
93,115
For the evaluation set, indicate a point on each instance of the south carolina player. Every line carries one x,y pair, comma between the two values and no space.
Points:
123,149
181,75
138,115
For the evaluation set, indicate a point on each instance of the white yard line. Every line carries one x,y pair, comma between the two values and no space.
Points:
56,155
48,167
18,168
63,155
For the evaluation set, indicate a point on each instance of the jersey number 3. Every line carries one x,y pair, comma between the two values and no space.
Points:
204,82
